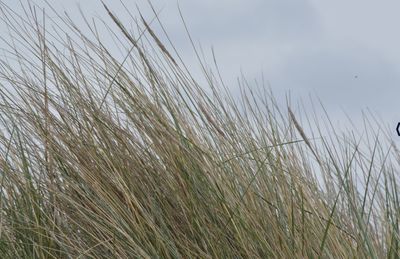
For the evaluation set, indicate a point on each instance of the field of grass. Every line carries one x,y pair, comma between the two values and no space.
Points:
103,157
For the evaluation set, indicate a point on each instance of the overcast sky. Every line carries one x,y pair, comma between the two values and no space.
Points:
346,52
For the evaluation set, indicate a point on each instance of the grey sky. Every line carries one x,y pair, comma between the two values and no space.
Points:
344,51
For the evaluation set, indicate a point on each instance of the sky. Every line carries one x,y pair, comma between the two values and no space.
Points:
346,53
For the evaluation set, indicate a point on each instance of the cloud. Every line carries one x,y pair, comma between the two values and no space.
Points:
348,77
242,21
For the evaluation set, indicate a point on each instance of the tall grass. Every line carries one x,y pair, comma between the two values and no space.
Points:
102,157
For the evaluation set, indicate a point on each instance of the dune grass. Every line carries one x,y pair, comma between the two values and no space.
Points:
102,157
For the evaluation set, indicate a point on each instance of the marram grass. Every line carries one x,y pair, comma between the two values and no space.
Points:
103,157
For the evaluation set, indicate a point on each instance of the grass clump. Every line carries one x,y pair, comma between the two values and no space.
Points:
103,158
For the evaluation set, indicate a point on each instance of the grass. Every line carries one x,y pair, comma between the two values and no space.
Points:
102,157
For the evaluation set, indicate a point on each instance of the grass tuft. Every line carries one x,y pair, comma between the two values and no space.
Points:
110,157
